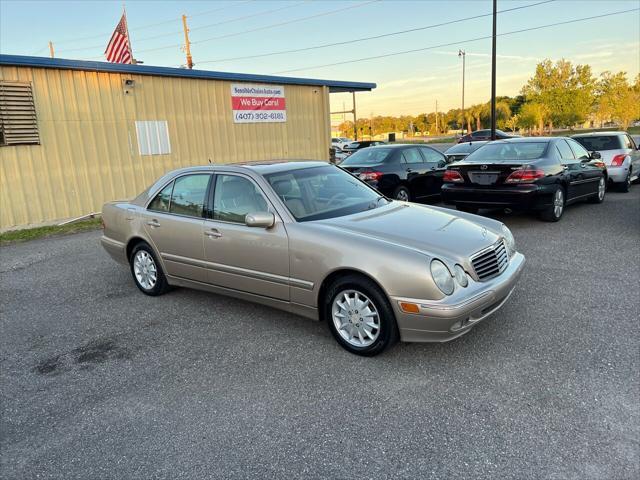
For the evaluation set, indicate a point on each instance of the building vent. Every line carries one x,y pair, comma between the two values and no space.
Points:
18,122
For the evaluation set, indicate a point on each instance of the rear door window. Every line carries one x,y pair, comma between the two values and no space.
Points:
188,195
412,155
564,150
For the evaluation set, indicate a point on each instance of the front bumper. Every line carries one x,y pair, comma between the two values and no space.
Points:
455,315
517,197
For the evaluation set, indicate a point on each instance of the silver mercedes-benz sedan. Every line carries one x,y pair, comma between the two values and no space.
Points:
310,238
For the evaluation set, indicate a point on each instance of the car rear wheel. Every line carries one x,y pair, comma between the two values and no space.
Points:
146,271
555,211
626,185
402,193
359,316
602,189
467,209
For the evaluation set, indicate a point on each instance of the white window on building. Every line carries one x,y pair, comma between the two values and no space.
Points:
153,137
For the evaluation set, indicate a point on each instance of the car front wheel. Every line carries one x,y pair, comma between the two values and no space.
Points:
146,271
359,316
600,193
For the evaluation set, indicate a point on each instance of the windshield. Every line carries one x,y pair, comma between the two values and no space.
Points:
368,156
508,152
596,144
323,192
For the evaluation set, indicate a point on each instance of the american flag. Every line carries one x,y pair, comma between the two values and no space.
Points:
118,50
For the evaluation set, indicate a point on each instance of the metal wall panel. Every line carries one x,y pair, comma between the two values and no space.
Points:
88,151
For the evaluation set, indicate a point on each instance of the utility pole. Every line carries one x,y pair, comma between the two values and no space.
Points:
187,43
355,117
463,54
437,131
51,52
493,72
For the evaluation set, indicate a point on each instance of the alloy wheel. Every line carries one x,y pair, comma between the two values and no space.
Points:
601,189
356,318
558,203
402,195
144,268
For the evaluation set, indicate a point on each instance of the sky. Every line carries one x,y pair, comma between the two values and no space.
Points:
409,83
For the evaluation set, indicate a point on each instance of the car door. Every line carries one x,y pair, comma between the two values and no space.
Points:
591,174
415,169
635,156
239,257
572,168
436,165
173,221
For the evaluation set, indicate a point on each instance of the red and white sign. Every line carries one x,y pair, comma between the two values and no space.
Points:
258,103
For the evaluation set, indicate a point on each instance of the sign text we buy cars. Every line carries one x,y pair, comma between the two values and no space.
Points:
258,103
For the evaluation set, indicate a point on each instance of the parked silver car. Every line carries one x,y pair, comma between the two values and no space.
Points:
309,238
618,151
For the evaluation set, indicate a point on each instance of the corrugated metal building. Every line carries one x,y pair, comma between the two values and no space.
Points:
74,134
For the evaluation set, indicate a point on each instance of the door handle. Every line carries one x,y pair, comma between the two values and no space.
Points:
153,223
213,233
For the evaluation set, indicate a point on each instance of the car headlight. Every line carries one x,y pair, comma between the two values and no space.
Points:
509,240
460,275
442,277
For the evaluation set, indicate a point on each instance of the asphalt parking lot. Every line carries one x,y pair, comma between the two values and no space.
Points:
99,381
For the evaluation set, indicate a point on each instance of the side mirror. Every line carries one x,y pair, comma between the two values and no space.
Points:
260,219
594,155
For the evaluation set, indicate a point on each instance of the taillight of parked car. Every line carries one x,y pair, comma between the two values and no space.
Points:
600,164
370,176
618,160
525,175
452,176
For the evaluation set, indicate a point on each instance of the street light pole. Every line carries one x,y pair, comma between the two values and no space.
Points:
463,54
493,73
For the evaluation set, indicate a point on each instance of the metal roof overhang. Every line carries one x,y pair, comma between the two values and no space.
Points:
335,86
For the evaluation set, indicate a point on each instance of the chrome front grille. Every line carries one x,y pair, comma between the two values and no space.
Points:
491,261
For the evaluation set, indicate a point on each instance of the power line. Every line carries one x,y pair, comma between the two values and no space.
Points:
374,37
364,59
264,27
295,20
144,27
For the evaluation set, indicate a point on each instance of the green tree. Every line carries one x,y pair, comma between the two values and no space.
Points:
533,115
567,92
617,100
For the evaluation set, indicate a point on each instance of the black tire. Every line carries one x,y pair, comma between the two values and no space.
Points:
551,214
402,191
597,198
387,334
467,209
160,286
626,185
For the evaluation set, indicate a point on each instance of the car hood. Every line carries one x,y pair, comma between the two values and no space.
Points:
432,231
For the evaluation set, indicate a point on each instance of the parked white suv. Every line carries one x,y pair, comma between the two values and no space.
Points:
340,142
619,152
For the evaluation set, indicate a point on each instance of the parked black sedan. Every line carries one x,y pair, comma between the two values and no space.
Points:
462,150
359,145
403,172
485,134
542,174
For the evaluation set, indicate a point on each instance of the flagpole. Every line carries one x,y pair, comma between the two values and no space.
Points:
126,26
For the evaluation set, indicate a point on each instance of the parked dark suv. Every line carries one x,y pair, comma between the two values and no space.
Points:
484,135
403,172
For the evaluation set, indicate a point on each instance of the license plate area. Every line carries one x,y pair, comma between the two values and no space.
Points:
484,178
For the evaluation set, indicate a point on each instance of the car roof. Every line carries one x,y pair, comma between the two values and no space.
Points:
599,134
262,167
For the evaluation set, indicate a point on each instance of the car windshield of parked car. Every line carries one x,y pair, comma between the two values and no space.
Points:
597,144
319,193
508,152
368,156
